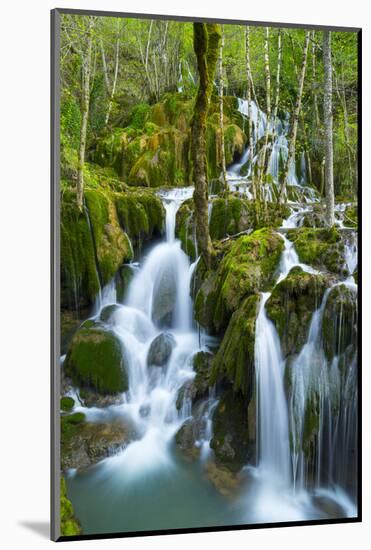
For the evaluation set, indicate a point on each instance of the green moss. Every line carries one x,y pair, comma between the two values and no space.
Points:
95,361
291,306
311,423
68,523
248,268
139,115
235,358
185,228
67,404
111,244
79,277
141,214
351,216
320,248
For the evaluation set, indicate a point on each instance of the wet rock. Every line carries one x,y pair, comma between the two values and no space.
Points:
339,323
86,443
164,297
160,349
185,439
292,304
224,481
232,443
235,359
107,312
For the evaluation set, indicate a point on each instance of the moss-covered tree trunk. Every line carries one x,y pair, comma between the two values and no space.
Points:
295,121
327,115
206,40
221,114
85,100
263,154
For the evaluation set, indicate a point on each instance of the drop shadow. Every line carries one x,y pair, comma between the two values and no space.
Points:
41,528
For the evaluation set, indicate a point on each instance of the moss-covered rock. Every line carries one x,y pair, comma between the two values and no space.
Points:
231,441
248,268
95,360
141,214
234,360
232,215
339,324
112,245
68,523
153,149
67,403
185,228
93,246
351,216
79,276
291,306
320,248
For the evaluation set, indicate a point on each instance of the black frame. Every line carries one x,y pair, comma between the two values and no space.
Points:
55,277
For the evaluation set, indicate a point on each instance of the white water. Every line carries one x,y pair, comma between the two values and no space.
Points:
149,406
273,444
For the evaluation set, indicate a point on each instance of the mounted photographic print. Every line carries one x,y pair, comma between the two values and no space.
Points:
205,275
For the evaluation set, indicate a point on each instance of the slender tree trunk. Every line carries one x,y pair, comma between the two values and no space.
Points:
314,75
327,113
114,83
294,127
221,114
206,40
278,81
249,109
268,103
86,70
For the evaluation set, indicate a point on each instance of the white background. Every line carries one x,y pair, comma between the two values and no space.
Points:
24,289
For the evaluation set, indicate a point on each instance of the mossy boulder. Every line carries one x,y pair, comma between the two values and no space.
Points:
107,312
320,248
235,360
292,304
67,404
69,525
247,268
231,442
95,360
339,324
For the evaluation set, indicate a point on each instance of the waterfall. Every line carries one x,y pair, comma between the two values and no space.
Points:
158,303
272,418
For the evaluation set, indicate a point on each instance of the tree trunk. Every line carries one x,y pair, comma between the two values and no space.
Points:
343,103
268,104
206,39
113,89
221,115
86,71
294,127
314,75
278,82
327,114
249,109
